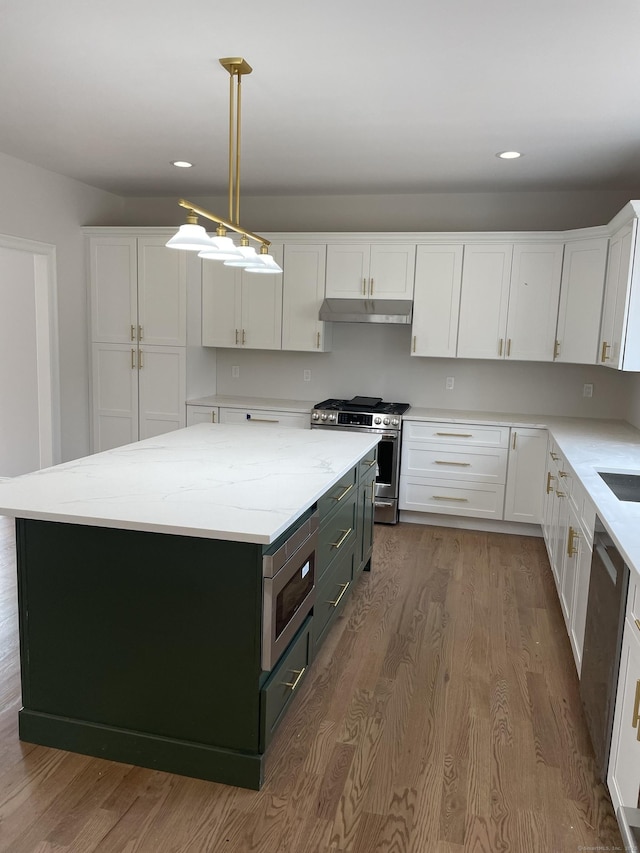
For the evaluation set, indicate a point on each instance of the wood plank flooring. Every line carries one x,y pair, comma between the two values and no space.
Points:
442,716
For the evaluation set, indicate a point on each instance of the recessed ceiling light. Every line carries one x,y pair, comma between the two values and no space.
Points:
181,164
508,155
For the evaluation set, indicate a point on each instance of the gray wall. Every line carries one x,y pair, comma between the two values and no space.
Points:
632,388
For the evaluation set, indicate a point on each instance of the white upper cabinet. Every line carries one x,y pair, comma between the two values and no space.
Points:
484,300
620,332
509,301
370,271
436,300
138,291
302,295
533,301
241,309
581,289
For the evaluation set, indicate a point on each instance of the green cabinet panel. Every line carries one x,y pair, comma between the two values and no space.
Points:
337,533
283,683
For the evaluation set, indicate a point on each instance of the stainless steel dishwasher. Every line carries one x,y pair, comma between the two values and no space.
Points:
606,605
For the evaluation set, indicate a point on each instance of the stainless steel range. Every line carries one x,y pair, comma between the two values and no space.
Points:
371,414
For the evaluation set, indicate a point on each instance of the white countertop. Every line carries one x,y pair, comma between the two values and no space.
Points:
253,403
588,445
210,480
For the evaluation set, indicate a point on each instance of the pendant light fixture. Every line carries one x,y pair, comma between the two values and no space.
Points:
192,237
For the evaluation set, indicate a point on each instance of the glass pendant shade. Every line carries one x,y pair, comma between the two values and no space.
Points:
191,238
265,265
249,256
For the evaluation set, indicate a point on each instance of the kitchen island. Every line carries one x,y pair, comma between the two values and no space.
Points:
140,583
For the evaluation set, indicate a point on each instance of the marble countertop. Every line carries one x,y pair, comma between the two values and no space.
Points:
208,480
588,445
253,403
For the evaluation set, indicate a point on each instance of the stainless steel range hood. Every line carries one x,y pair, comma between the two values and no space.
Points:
366,310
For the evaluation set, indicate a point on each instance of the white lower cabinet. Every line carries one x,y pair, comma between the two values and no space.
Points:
525,475
454,469
257,418
623,776
202,415
138,392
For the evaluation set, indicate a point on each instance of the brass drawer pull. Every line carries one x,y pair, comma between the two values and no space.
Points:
345,533
636,710
561,494
554,456
457,434
444,462
638,624
370,462
345,492
562,474
571,548
445,498
345,587
550,477
298,675
603,354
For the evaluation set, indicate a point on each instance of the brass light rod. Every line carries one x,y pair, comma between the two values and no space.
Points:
230,225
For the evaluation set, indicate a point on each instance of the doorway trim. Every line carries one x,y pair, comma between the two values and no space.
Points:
47,359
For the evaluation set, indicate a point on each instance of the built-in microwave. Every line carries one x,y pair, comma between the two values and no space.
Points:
288,588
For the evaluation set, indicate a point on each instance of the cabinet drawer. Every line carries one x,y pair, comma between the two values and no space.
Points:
283,683
264,417
338,533
454,462
481,500
338,493
331,595
368,464
470,434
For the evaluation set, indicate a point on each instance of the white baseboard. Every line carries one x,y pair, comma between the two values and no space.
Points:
487,525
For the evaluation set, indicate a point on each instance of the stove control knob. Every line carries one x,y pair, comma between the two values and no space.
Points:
377,420
315,416
386,421
395,422
332,417
323,417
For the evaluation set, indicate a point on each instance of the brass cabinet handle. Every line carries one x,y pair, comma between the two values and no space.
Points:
213,417
445,498
560,494
133,358
457,434
571,549
414,343
550,477
364,287
554,456
371,287
243,337
318,340
140,333
140,359
638,624
236,336
344,492
370,462
500,346
513,445
556,349
341,540
345,587
444,462
603,354
636,709
508,347
298,676
562,474
133,332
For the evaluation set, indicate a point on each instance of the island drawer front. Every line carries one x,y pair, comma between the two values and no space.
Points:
331,595
367,464
478,500
452,462
283,683
337,534
482,435
331,500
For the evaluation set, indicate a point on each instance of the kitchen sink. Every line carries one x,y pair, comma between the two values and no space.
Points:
626,487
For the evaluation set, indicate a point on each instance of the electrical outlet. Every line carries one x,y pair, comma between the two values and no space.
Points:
306,375
587,390
449,383
235,372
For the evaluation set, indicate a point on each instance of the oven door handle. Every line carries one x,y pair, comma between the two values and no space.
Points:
391,436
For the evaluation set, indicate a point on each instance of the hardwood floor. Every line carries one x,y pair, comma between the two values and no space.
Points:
442,716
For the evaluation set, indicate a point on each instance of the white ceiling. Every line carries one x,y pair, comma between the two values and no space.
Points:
346,96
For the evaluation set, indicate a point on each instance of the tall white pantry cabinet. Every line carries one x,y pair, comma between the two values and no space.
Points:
138,338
